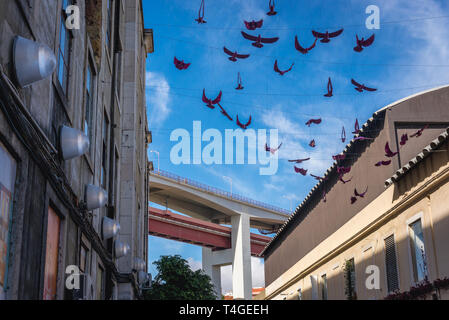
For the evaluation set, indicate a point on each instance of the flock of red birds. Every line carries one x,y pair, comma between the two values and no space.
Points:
258,42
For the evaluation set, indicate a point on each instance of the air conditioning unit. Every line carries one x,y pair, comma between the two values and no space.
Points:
86,290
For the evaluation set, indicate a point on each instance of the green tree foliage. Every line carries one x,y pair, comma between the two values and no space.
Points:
176,281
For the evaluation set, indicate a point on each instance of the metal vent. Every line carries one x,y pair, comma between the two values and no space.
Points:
390,262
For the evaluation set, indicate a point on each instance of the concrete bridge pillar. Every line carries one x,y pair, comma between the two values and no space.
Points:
239,256
241,252
212,269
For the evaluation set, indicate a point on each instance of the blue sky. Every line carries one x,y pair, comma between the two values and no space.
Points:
409,55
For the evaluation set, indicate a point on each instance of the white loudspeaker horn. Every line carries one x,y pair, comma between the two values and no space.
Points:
73,143
95,197
33,61
110,228
121,249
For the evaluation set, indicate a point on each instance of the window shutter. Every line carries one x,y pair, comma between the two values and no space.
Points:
390,262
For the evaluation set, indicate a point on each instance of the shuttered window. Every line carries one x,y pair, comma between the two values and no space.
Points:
391,265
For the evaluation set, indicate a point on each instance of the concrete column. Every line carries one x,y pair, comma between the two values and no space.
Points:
241,265
212,270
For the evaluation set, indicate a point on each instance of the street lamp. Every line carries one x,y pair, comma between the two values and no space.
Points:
230,181
156,152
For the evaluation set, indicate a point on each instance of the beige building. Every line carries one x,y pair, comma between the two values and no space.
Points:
395,237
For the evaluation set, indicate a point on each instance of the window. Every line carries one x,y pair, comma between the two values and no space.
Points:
109,24
299,294
418,251
100,283
89,104
323,287
51,256
7,180
350,281
84,257
391,264
105,151
64,50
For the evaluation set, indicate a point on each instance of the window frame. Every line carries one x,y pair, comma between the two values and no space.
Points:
412,262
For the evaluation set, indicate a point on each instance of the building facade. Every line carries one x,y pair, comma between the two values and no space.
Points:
59,212
393,241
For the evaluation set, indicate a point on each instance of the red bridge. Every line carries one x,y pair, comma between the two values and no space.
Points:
169,225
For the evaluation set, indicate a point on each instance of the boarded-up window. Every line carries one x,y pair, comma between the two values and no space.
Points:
391,265
51,256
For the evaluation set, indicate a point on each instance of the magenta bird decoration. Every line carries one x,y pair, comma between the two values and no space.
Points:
314,121
271,5
200,18
234,55
339,157
330,89
258,40
301,49
361,195
388,152
361,87
180,64
343,135
383,163
299,160
312,144
239,82
326,37
363,43
210,103
356,127
253,25
404,139
276,68
243,126
300,170
272,150
419,132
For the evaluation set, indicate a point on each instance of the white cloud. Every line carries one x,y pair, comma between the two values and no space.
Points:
257,271
194,264
158,98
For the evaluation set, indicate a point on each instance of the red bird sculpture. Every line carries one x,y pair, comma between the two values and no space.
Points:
330,89
243,126
300,170
312,144
276,68
210,103
361,87
234,55
239,82
388,152
299,160
200,19
363,43
271,6
356,127
258,40
223,111
318,177
343,170
339,157
343,135
326,37
272,150
383,163
304,50
419,132
180,64
340,177
404,139
253,25
361,195
314,121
